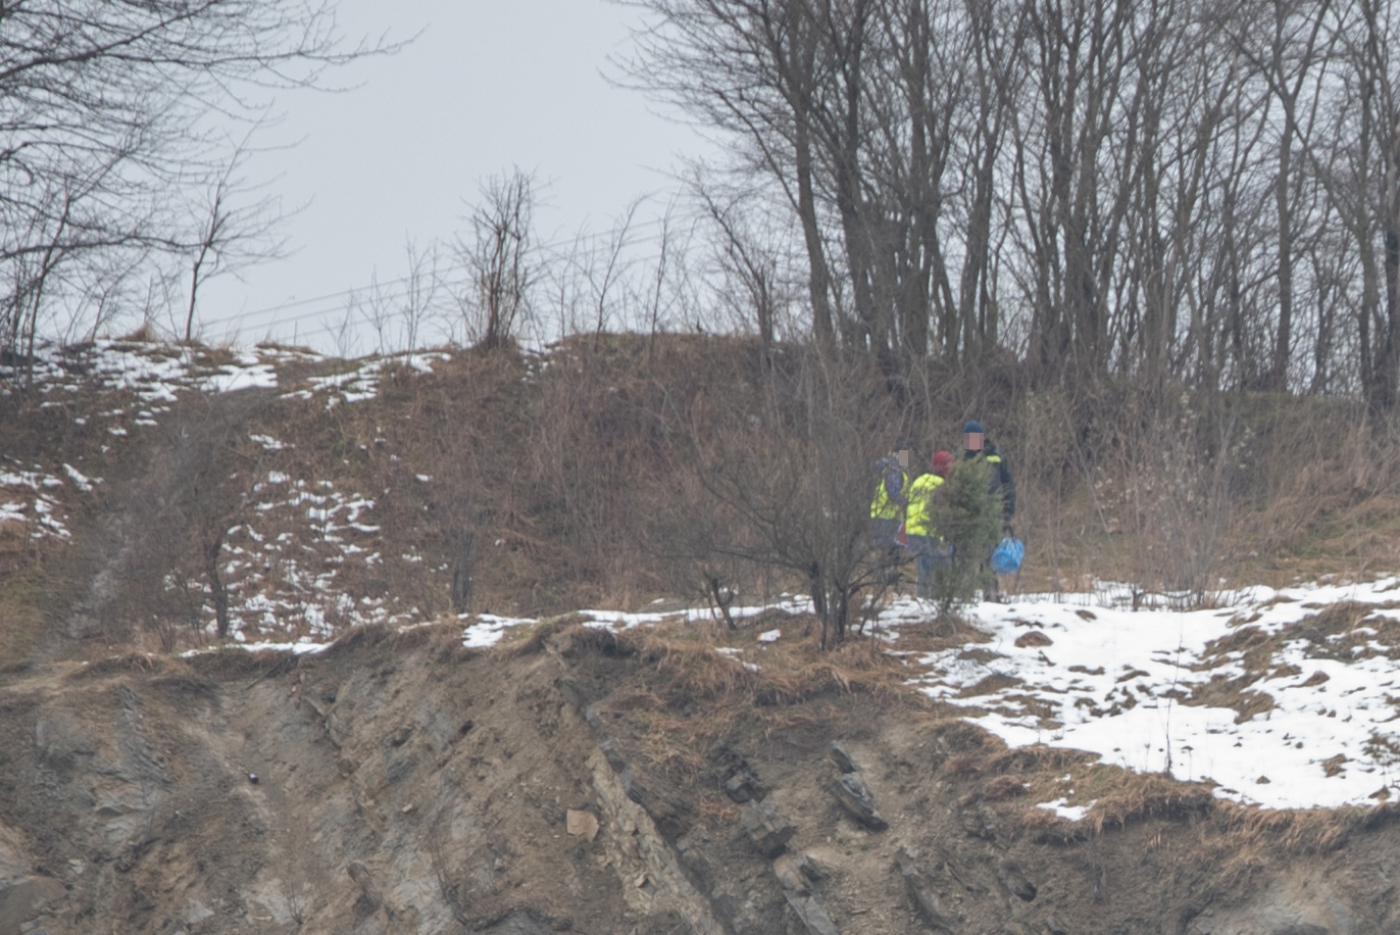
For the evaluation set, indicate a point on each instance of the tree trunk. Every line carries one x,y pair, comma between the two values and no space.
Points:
218,593
462,545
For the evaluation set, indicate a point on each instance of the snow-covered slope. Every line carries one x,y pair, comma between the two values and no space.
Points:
1311,674
1286,699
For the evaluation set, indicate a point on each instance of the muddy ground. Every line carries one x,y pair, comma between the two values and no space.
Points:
397,783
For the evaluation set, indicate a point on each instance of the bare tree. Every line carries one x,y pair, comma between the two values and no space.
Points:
500,259
232,232
1150,190
1361,169
107,131
796,481
746,260
754,68
1288,55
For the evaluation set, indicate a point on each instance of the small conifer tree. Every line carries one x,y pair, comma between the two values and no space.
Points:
968,517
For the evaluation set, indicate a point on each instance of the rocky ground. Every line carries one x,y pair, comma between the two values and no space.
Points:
587,781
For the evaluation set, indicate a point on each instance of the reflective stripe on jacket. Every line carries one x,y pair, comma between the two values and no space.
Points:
919,520
1001,482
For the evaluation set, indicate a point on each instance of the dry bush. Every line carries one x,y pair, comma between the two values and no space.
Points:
536,637
963,764
1123,797
1003,787
193,488
569,479
115,665
1316,461
785,476
1174,490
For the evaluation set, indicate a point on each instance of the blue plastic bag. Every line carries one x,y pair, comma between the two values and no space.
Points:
1006,560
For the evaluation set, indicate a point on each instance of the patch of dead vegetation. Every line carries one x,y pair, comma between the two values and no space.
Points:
119,665
1122,797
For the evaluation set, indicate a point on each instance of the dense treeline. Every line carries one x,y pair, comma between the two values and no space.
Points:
1204,191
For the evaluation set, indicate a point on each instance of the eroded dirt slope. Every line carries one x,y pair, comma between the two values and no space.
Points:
396,783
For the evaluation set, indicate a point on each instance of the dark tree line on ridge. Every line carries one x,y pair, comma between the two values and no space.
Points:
1203,191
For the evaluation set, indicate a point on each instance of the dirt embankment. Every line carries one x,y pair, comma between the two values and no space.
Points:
398,784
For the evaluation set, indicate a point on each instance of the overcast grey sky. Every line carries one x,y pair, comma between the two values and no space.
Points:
488,85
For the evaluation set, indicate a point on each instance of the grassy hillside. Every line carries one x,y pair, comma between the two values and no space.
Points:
148,491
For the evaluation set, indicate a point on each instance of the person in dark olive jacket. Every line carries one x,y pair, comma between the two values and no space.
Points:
977,445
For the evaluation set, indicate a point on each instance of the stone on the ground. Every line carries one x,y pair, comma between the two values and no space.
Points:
767,830
1014,879
743,786
581,823
842,758
922,894
811,913
853,794
361,875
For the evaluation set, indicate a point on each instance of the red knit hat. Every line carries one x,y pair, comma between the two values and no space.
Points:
942,463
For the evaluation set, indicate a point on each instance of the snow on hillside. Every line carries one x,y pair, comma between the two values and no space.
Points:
1281,698
279,581
1313,672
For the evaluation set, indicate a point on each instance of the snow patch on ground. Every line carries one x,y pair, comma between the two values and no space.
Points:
1112,682
37,508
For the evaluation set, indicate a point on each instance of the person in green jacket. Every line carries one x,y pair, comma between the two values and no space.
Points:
924,541
976,445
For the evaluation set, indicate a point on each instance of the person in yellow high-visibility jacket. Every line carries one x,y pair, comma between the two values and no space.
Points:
924,541
891,497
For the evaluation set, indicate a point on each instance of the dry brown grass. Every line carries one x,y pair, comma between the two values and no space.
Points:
1039,759
117,665
1133,797
955,735
570,466
235,663
1043,826
22,625
690,672
964,764
1003,787
534,639
677,697
1239,841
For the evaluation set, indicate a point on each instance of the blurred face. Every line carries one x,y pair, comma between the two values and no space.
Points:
972,441
904,460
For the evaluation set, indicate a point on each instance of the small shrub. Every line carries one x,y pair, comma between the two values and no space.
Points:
968,516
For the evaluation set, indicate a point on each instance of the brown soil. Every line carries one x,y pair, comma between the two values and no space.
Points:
406,785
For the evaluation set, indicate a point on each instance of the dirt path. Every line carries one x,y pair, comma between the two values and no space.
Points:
149,500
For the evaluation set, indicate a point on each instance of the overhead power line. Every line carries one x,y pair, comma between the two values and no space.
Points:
402,281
